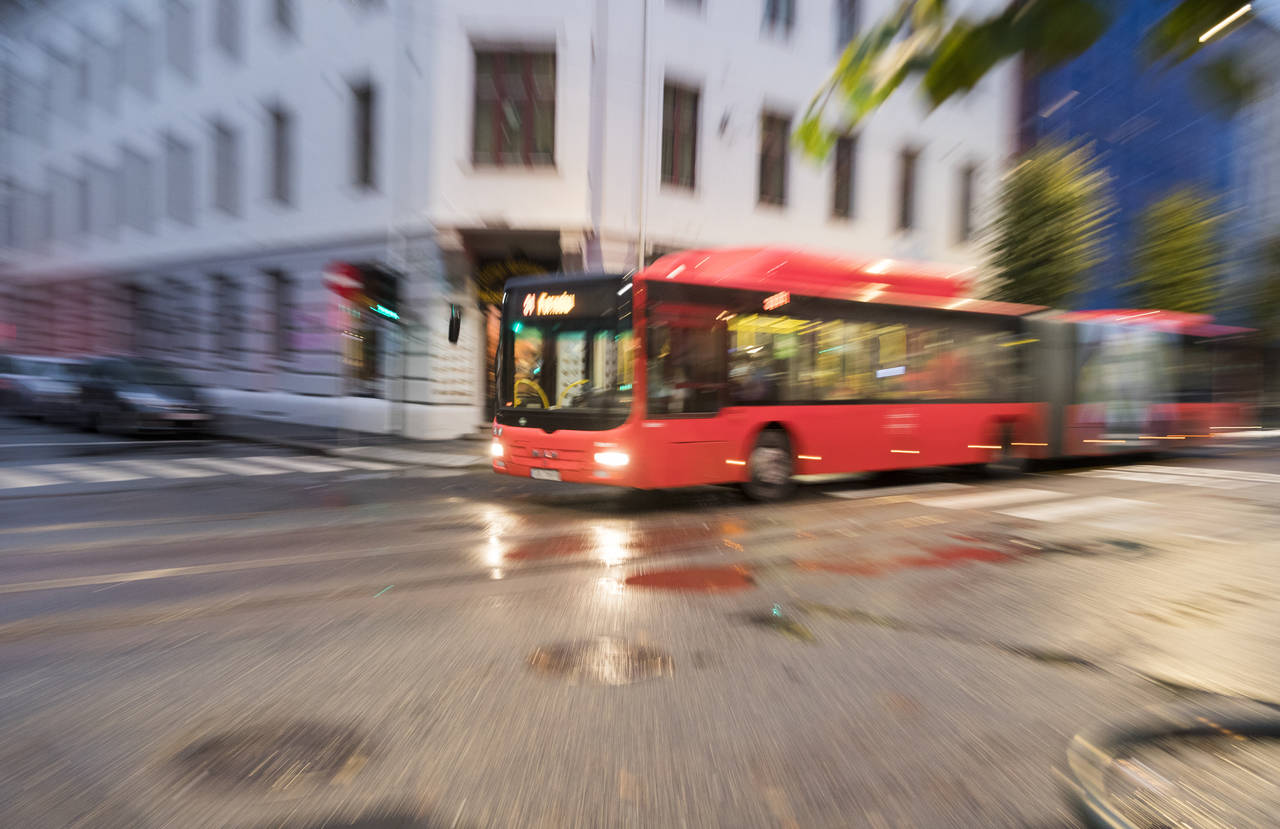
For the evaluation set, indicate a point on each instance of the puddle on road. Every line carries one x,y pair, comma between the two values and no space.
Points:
604,660
937,558
696,579
276,756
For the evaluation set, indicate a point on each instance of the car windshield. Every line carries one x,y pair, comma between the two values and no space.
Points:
150,374
51,369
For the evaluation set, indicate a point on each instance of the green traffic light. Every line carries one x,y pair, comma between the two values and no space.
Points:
516,327
384,311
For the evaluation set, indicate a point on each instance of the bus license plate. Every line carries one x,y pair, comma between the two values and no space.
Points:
545,474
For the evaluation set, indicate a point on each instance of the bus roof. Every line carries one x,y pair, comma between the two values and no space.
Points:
1174,322
889,281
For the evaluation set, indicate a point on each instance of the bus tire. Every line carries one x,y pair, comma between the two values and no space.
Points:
1006,463
771,467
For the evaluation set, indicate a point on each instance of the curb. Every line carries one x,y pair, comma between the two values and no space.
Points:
347,452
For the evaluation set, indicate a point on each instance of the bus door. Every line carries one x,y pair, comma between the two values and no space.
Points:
686,381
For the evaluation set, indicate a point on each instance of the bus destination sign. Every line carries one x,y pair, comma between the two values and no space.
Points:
544,304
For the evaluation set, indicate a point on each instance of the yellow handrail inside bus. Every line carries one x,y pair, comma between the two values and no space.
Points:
560,400
546,404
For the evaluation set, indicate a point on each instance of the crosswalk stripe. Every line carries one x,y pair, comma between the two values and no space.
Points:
1156,478
883,492
1201,472
357,463
1068,509
167,469
21,478
297,464
235,467
96,474
998,498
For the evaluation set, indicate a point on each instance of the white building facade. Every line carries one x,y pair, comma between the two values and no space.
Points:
176,175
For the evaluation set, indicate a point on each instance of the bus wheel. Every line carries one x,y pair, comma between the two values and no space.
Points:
771,468
1005,462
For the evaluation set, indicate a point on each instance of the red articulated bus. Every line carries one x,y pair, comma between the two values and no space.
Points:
761,366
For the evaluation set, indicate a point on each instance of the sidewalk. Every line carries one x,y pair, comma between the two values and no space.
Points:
451,454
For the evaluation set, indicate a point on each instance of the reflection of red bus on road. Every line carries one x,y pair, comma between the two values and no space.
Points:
756,366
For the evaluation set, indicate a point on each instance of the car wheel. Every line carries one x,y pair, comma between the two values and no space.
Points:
771,467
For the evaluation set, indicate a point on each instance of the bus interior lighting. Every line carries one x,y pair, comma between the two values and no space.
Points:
1030,444
905,451
985,446
809,457
1019,342
736,463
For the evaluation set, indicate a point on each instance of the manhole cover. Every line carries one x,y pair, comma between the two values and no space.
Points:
277,756
696,579
601,661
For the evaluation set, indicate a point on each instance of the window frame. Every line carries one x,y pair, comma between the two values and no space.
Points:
844,205
771,146
364,139
908,187
529,107
679,93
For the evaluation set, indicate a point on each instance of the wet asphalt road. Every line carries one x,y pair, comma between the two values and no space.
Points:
322,648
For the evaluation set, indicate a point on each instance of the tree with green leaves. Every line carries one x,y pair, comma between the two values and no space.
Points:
1178,254
1049,232
918,39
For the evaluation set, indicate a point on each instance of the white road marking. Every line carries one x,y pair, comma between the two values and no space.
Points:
236,467
997,498
1156,478
893,490
85,472
20,478
1202,472
166,469
357,463
297,464
1059,510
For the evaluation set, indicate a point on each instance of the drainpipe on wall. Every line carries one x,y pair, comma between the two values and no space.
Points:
643,209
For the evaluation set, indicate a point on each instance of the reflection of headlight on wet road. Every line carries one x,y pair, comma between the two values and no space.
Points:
613,458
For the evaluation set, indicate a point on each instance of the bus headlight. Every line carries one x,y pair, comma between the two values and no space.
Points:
613,458
495,449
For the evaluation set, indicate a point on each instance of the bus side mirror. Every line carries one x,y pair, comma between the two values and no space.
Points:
455,323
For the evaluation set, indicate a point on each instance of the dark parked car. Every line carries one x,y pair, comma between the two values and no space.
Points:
38,386
120,394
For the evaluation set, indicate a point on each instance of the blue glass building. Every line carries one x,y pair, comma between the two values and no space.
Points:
1146,125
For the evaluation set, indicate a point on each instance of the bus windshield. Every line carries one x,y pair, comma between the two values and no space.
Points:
571,370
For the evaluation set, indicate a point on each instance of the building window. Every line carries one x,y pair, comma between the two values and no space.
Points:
515,108
847,14
964,227
679,135
908,161
135,57
779,16
138,208
226,169
8,213
103,215
844,197
180,38
283,16
226,27
281,153
103,76
227,312
179,180
84,206
364,102
775,133
282,310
